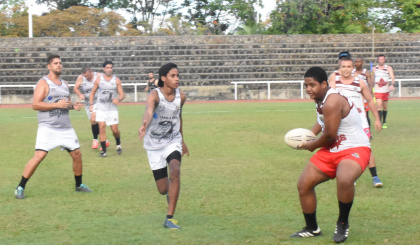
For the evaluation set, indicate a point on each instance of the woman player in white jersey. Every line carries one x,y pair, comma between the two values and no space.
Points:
163,137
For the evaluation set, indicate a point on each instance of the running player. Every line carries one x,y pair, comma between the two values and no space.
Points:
344,154
52,101
383,74
86,81
109,96
356,90
163,137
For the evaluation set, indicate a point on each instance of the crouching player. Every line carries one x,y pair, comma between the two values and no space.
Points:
163,138
344,154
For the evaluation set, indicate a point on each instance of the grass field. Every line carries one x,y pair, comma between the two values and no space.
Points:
238,185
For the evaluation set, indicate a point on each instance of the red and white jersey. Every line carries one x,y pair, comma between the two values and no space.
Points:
353,92
350,133
361,75
382,80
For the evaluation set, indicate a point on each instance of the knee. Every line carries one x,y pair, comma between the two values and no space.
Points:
302,186
77,155
174,169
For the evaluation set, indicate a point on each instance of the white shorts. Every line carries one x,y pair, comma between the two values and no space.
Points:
157,158
110,117
50,138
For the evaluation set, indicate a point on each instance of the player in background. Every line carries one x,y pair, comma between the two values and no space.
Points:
109,96
85,81
52,101
383,75
357,90
343,54
163,137
344,154
365,75
152,83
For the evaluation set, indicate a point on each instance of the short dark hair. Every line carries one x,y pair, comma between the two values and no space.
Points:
346,59
164,70
317,73
344,54
51,57
86,69
381,55
108,62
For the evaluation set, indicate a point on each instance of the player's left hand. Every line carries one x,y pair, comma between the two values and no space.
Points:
77,106
185,149
115,101
142,130
391,87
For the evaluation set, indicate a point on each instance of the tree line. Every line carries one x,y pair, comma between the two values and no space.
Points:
74,18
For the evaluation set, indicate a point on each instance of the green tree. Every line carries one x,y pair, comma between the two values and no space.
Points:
410,16
64,4
13,19
320,17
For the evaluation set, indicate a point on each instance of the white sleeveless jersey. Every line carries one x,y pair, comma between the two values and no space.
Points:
382,80
55,118
353,92
350,133
165,124
87,88
361,75
106,92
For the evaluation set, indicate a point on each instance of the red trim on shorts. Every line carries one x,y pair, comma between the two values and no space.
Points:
328,161
382,96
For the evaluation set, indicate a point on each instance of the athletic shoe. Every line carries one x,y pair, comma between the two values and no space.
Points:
384,125
83,188
19,193
119,149
95,144
377,182
341,232
106,144
103,154
306,232
171,224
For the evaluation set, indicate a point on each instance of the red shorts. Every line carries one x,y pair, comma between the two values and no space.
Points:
382,96
366,106
327,161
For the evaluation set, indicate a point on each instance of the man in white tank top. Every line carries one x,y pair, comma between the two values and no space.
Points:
86,81
357,90
52,101
365,75
384,74
344,154
163,137
110,94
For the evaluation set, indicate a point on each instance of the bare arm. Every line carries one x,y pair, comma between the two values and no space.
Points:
77,85
331,80
152,101
41,91
391,75
333,112
93,92
184,146
366,92
120,92
369,81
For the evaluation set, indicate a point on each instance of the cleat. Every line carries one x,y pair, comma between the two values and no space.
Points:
106,144
83,188
119,149
341,232
384,125
171,224
306,232
103,154
19,193
377,182
95,144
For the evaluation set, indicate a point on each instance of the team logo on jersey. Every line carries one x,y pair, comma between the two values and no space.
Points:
178,108
382,83
356,155
49,97
155,116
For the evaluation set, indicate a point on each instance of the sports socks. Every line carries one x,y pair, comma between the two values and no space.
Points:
169,216
78,180
103,145
380,115
118,140
23,182
384,115
344,211
310,220
95,131
367,117
373,171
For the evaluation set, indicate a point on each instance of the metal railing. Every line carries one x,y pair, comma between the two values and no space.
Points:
72,85
301,85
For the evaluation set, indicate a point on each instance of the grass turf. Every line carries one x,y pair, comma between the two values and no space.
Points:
238,185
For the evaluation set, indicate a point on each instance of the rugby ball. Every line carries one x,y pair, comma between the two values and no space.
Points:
295,137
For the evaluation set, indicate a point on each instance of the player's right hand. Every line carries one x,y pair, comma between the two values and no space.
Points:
91,108
81,97
64,104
